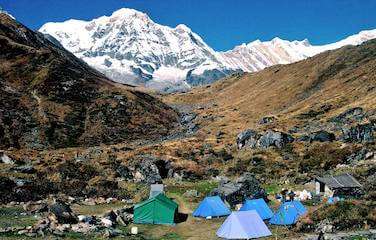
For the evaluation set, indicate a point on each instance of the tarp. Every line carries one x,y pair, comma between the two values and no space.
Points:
243,225
288,213
211,207
260,206
157,210
155,189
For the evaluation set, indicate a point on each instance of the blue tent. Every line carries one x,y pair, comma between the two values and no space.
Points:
299,206
243,225
333,200
288,213
260,206
212,207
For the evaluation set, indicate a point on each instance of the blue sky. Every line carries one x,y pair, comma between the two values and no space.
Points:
222,23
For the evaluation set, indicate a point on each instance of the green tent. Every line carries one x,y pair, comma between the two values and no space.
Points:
156,210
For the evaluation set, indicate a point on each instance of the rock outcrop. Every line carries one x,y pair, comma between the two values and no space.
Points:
63,213
361,133
322,136
271,138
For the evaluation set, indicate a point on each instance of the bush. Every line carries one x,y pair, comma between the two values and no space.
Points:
343,215
322,156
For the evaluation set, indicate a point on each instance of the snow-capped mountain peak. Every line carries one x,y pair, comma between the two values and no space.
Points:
258,55
5,12
129,47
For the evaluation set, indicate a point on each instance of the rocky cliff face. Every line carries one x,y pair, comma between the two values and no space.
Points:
51,99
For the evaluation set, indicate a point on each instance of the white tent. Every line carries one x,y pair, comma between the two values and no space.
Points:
243,225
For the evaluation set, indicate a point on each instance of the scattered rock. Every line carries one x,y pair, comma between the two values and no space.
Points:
147,172
325,226
89,202
5,159
84,228
28,169
107,222
110,233
187,120
22,182
191,194
86,219
110,215
267,120
89,154
124,217
111,200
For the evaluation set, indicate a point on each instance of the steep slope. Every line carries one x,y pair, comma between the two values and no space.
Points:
51,99
327,84
258,55
130,48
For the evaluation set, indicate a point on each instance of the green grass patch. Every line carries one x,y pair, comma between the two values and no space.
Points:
13,217
97,209
203,187
170,236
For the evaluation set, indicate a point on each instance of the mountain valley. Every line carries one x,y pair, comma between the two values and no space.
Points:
74,131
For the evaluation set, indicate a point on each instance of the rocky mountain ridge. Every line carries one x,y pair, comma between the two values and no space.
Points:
51,99
129,47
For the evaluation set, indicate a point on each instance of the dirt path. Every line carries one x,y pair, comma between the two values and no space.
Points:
183,205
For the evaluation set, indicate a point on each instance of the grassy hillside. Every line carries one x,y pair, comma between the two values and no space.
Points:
51,99
328,83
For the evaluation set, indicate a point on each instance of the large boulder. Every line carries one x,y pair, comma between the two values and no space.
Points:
149,169
235,192
247,138
274,139
6,189
63,213
5,158
28,169
322,136
360,133
271,138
